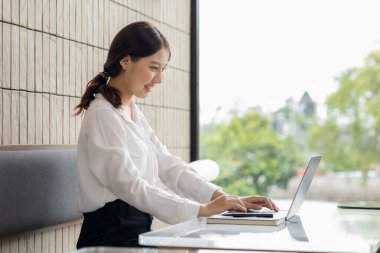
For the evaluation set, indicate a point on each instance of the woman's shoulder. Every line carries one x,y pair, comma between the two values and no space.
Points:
100,103
101,107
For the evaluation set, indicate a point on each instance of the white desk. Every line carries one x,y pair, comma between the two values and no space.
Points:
322,227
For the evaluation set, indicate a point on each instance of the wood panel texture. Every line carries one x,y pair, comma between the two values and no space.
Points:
49,50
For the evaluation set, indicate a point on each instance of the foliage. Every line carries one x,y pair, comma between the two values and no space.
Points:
294,121
256,151
349,138
251,156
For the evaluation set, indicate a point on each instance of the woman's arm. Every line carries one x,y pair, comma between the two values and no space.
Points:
176,174
111,164
250,202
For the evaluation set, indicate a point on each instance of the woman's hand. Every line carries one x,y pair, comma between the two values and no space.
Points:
220,204
257,202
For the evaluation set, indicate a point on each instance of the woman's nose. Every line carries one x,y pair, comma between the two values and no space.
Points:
158,77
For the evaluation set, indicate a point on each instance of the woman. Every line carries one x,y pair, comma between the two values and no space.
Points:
120,157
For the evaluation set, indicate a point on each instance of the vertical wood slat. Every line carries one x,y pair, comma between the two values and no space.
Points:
84,70
23,58
52,241
89,12
15,57
15,10
66,18
66,68
59,116
45,242
59,67
66,120
23,13
53,64
45,119
113,21
72,129
78,120
31,118
90,60
60,23
72,240
53,16
78,20
30,79
84,21
101,24
22,247
6,10
13,245
106,24
45,63
119,18
78,69
38,119
95,61
38,14
65,239
38,62
30,244
5,246
38,243
45,16
95,22
31,5
6,55
15,117
72,58
72,19
53,119
23,118
6,127
58,241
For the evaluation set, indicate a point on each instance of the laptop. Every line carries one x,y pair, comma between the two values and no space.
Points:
269,217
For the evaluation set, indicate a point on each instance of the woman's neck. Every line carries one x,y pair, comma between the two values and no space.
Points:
125,97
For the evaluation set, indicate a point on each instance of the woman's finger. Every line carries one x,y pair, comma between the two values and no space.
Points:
253,206
260,200
239,207
275,207
236,203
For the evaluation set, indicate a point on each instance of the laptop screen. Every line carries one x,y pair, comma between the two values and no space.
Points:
304,185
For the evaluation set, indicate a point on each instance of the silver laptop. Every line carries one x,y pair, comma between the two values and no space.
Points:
304,186
298,198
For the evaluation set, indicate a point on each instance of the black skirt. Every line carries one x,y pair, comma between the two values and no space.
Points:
116,224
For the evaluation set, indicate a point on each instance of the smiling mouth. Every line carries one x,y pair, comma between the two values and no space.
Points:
149,87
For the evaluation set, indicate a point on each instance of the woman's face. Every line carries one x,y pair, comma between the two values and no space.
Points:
140,77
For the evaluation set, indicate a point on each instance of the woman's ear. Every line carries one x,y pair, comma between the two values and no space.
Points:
124,62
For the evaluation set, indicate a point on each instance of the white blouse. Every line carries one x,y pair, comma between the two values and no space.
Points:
122,159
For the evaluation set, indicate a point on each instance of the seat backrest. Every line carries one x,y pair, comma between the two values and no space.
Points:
39,187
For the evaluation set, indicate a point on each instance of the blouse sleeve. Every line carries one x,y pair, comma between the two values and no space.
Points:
112,166
177,175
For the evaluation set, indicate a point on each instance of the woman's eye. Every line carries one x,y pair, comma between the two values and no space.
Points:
154,68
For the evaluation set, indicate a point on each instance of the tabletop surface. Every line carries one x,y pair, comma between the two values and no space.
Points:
319,227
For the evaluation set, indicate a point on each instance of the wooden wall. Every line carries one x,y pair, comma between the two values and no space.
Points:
50,49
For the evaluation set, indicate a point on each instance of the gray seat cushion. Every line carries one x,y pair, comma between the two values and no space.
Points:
38,188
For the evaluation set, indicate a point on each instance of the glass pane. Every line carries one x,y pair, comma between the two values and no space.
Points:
283,80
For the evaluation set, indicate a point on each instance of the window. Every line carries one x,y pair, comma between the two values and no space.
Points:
282,80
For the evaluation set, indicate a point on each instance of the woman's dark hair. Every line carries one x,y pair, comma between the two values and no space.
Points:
136,40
